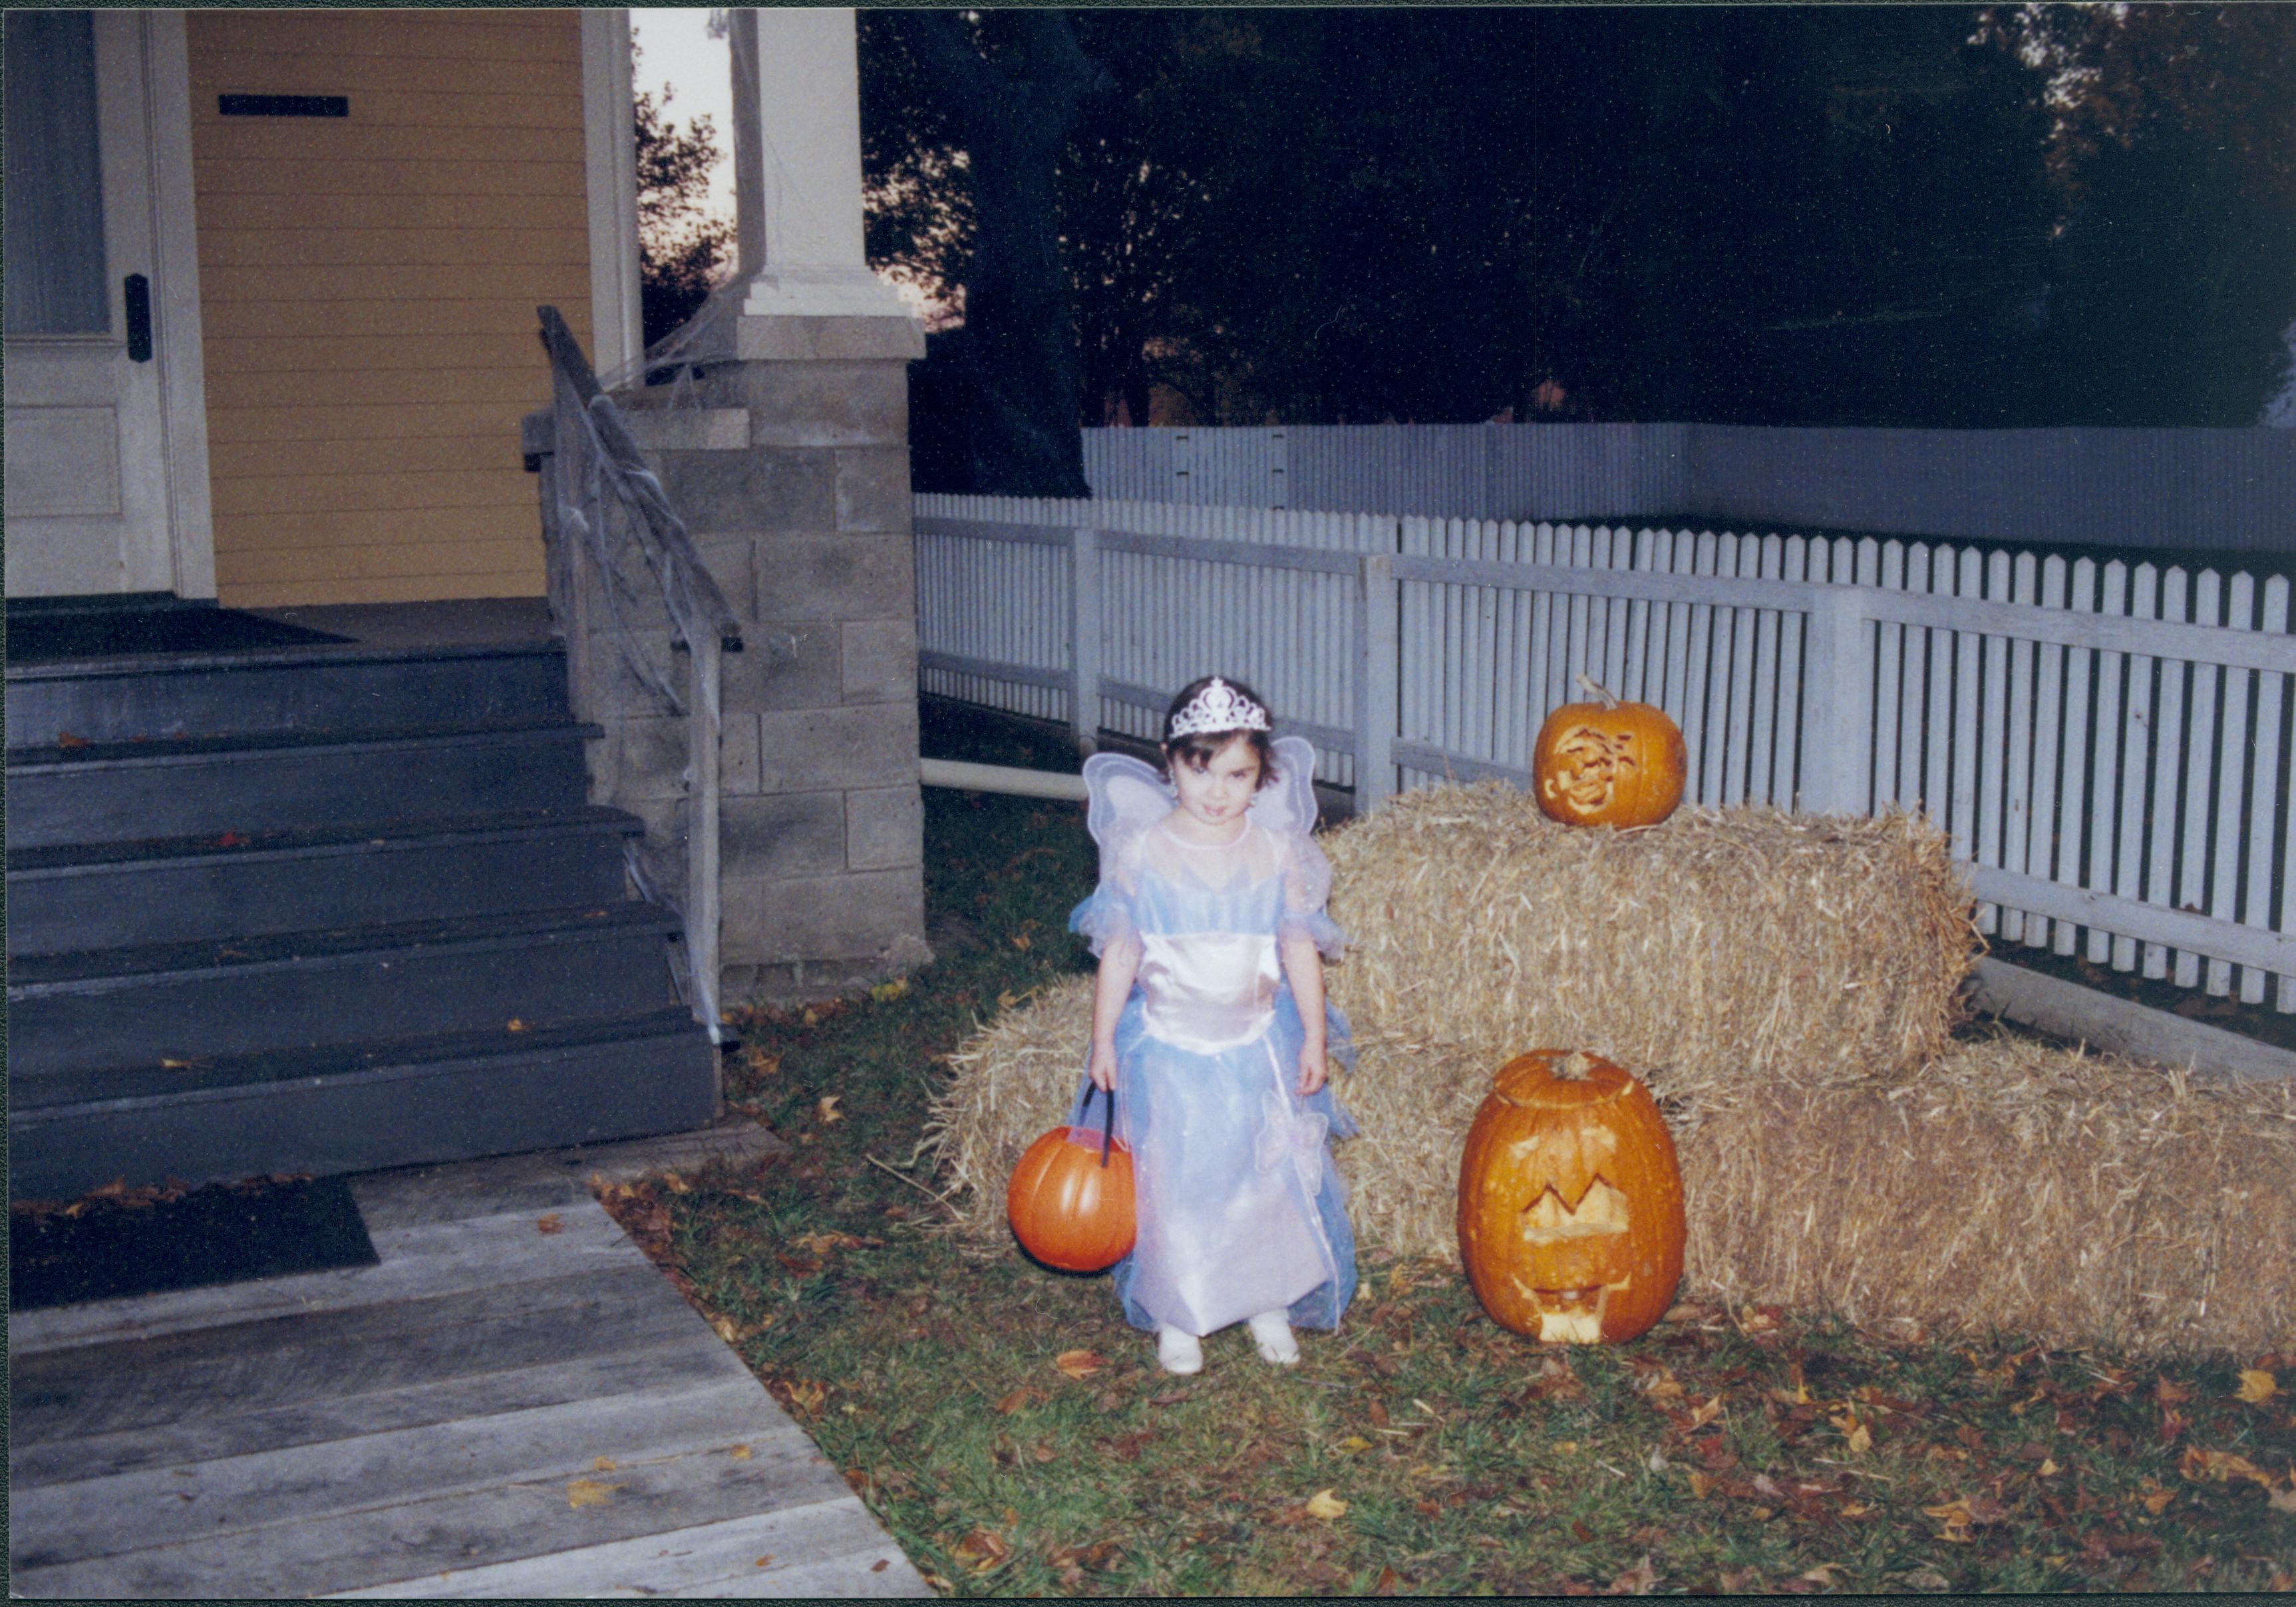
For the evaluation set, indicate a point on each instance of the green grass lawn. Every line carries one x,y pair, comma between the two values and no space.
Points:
1016,1436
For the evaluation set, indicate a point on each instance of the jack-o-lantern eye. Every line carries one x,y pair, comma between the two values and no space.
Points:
1603,1210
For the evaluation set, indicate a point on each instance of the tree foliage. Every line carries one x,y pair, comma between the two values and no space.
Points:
683,252
1897,215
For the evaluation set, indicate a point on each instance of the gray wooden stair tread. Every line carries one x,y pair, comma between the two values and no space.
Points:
417,1428
312,841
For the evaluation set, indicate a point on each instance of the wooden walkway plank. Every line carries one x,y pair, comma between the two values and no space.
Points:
417,1260
279,1361
669,1365
529,1516
831,1548
238,1494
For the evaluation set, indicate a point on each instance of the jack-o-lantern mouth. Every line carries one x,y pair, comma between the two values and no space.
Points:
1589,765
1571,1316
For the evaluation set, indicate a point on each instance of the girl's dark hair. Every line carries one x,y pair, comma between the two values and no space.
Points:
1196,749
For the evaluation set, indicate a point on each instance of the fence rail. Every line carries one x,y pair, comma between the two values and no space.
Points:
2107,745
2218,490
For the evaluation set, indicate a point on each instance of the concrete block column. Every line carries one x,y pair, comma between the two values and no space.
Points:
793,478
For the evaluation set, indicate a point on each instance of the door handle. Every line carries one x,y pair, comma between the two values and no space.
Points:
139,318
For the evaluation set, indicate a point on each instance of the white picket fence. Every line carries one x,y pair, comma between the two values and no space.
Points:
2108,745
2218,489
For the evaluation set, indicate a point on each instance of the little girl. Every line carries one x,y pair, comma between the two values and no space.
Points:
1210,1029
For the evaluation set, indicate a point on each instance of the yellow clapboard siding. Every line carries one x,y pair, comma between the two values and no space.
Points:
328,139
376,530
311,175
358,247
333,388
489,451
440,588
407,109
443,36
375,355
508,554
338,212
317,319
567,285
379,424
369,286
508,486
262,72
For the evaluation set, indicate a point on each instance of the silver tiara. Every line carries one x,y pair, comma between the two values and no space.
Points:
1219,707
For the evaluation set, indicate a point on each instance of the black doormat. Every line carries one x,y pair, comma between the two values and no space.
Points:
129,1242
47,637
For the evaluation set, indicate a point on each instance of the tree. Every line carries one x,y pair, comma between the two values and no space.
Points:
683,252
1009,87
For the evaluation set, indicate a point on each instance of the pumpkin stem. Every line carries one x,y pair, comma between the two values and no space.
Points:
1587,684
1577,1067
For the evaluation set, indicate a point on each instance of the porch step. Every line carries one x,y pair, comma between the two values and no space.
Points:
121,791
340,1108
339,689
181,889
85,1011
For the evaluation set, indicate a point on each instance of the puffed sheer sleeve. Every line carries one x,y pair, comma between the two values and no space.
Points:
1307,887
1125,799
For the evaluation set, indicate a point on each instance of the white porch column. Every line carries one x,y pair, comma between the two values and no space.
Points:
797,165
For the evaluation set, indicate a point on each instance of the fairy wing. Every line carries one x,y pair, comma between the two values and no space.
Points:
1287,805
1125,797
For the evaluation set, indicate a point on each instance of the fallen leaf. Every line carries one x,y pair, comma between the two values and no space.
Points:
827,1111
1699,1484
1078,1364
740,1453
171,1065
2256,1386
885,993
2157,1501
65,739
602,1464
2221,1466
2170,1394
1705,1412
1013,1402
2048,1467
1353,1442
2284,1501
1855,1509
230,840
1637,1581
1326,1505
676,1185
551,1223
588,1492
514,1025
1020,940
764,1561
983,1551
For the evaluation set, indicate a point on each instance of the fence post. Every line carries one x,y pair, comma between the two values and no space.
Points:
1837,704
1377,711
1084,635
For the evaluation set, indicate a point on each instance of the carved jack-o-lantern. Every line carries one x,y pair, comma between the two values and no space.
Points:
1608,763
1571,1221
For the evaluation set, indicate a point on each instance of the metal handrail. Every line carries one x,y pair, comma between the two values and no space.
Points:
576,524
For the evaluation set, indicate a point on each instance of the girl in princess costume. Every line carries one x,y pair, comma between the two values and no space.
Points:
1210,1029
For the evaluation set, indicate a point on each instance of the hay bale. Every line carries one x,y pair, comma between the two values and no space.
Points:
1011,1080
2076,1199
1719,946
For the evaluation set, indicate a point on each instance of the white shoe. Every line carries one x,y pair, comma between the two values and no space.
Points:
1273,1334
1178,1352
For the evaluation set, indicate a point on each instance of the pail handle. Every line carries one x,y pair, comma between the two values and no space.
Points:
1107,1119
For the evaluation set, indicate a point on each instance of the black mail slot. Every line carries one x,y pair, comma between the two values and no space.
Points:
283,105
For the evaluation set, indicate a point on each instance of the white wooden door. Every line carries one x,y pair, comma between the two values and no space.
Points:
106,484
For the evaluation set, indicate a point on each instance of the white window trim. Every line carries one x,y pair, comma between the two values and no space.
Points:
183,363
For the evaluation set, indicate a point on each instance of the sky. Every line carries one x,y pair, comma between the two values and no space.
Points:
678,50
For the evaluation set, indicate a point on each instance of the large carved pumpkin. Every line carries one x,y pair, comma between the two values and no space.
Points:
1070,1200
1608,763
1571,1219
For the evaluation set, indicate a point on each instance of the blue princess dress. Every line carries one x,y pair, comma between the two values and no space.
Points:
1240,1210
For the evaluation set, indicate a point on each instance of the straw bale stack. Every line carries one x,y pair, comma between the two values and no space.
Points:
1786,986
1721,945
